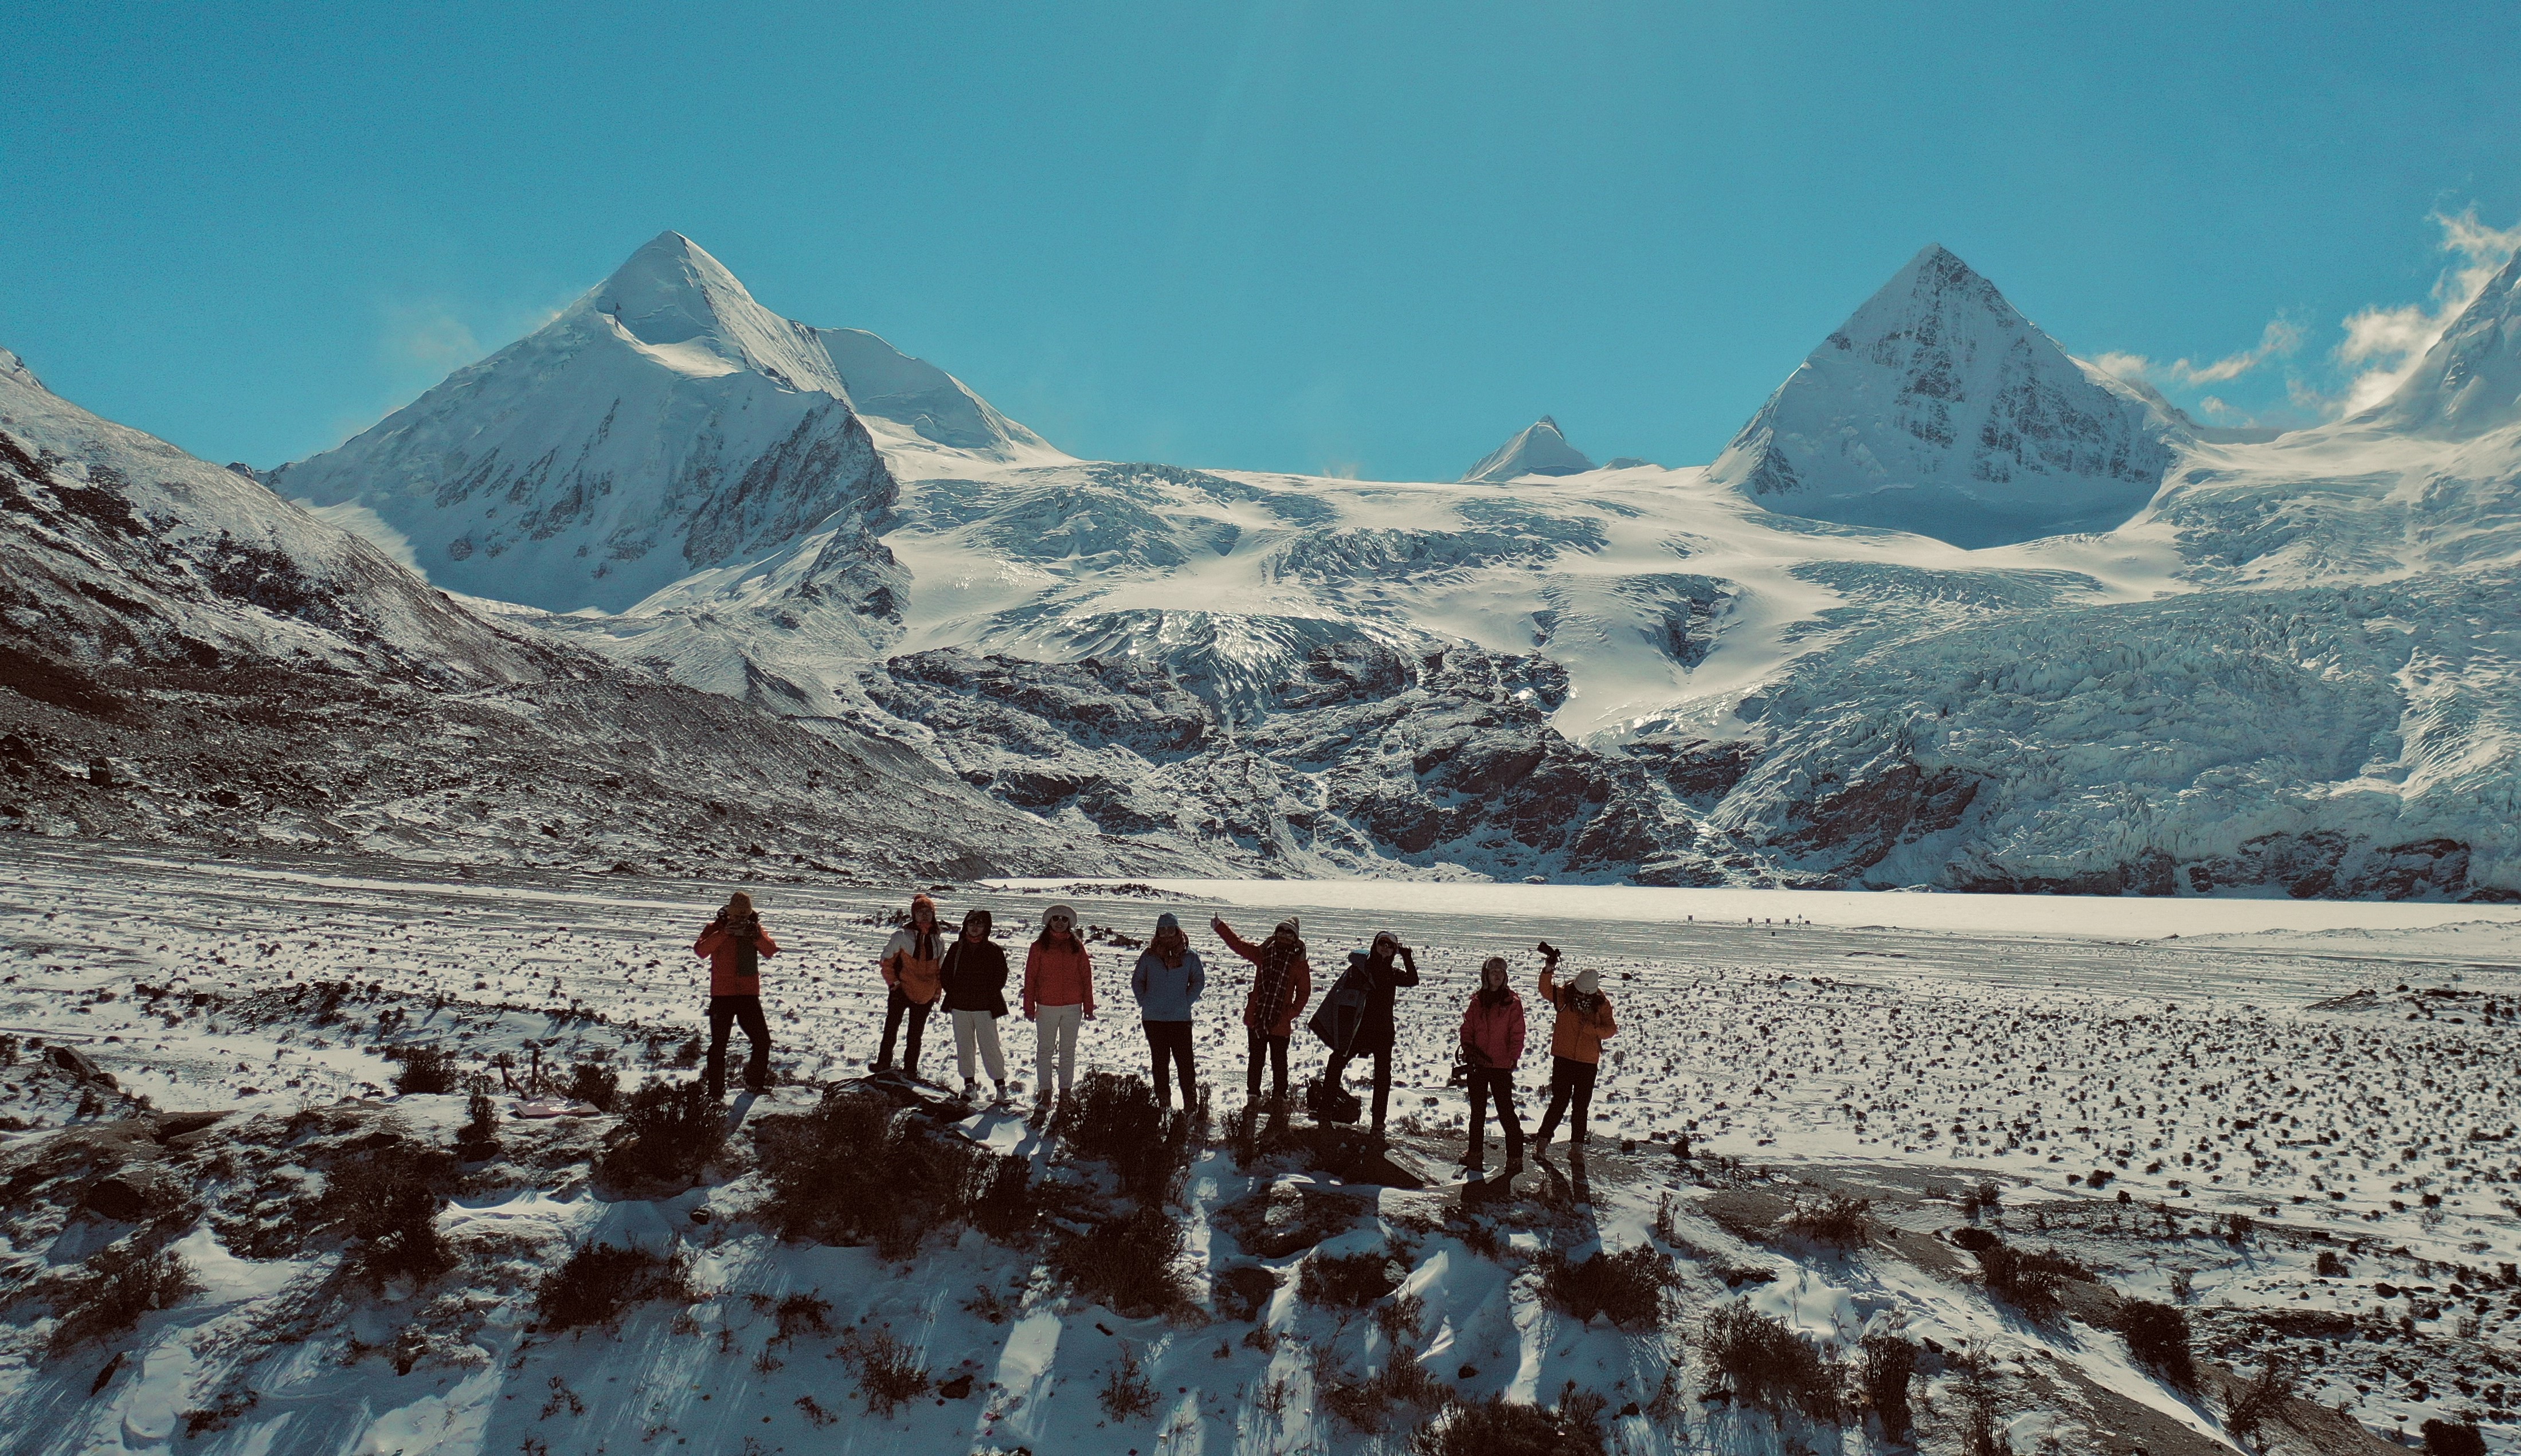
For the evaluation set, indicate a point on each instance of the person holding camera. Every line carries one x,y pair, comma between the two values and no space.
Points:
1382,969
734,944
1584,1022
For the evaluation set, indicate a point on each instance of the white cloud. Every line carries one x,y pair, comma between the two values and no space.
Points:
2279,337
429,336
2384,345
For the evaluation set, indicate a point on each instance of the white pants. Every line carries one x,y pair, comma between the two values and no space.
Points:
982,1028
1057,1025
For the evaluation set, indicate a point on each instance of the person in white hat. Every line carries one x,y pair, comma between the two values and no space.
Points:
1058,994
1584,1022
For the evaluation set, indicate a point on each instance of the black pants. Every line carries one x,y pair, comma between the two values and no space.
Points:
1382,1055
1496,1082
1569,1079
1276,1049
1169,1042
895,1005
725,1011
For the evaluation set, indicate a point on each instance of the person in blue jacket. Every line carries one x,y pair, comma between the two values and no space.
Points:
1166,981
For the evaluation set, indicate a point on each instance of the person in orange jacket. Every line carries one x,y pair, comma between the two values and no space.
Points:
912,964
1584,1022
1058,994
735,946
1282,985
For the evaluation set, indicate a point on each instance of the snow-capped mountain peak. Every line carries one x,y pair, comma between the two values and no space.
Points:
1938,408
1541,449
2469,383
680,306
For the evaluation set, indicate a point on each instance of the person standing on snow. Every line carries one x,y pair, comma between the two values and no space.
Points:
735,946
1281,985
1375,1030
1167,979
1492,1045
1058,994
1584,1022
974,978
910,962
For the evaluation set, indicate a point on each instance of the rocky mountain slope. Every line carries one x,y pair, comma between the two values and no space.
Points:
1539,450
192,659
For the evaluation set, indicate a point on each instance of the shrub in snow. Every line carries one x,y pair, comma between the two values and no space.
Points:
1348,1280
1981,1413
1627,1288
1116,1121
1366,1404
479,1137
114,1289
668,1133
597,1282
889,1375
2157,1335
386,1201
1126,1392
1888,1363
1499,1427
860,1170
1127,1263
1244,1290
595,1084
2031,1280
2454,1438
1838,1221
1766,1363
426,1068
2259,1401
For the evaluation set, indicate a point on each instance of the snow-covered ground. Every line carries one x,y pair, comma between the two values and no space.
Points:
2338,1076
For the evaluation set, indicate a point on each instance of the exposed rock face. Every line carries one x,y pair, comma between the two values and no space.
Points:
1539,450
1938,408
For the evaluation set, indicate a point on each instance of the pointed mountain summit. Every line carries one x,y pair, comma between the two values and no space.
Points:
1539,450
2469,383
663,424
1938,408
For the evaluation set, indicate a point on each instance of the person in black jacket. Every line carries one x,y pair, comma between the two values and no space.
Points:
974,978
1375,1027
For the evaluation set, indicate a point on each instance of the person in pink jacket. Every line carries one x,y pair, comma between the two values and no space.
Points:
1492,1044
1058,993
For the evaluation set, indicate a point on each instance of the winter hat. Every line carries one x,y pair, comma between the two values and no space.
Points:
1167,922
1381,935
1058,912
918,900
740,902
1492,963
976,917
1290,927
1587,982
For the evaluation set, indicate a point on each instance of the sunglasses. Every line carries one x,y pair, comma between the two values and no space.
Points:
1058,920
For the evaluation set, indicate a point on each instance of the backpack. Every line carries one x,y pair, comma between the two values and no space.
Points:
1329,1102
1342,1010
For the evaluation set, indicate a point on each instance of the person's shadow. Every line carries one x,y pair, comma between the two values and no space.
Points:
736,1111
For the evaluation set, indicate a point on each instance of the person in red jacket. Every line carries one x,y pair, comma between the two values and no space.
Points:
1284,982
735,944
1492,1045
1058,993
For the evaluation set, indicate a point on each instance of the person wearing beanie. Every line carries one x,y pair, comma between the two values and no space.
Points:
1384,968
973,981
1584,1022
1492,1046
1281,984
735,944
909,966
1058,994
1166,981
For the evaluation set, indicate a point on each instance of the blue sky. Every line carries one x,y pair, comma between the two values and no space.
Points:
1325,237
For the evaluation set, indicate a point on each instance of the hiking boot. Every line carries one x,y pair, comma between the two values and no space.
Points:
1513,1165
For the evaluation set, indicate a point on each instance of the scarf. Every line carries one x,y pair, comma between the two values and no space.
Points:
1278,957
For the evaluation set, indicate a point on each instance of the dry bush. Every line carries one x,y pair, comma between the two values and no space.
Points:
1888,1363
115,1288
1128,1263
860,1170
2031,1280
802,1314
595,1084
1348,1280
2259,1401
1126,1392
1498,1426
1981,1413
1838,1221
1116,1121
425,1069
479,1138
668,1133
1366,1404
2157,1335
889,1375
2454,1438
1627,1288
1244,1290
1767,1364
386,1201
597,1282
